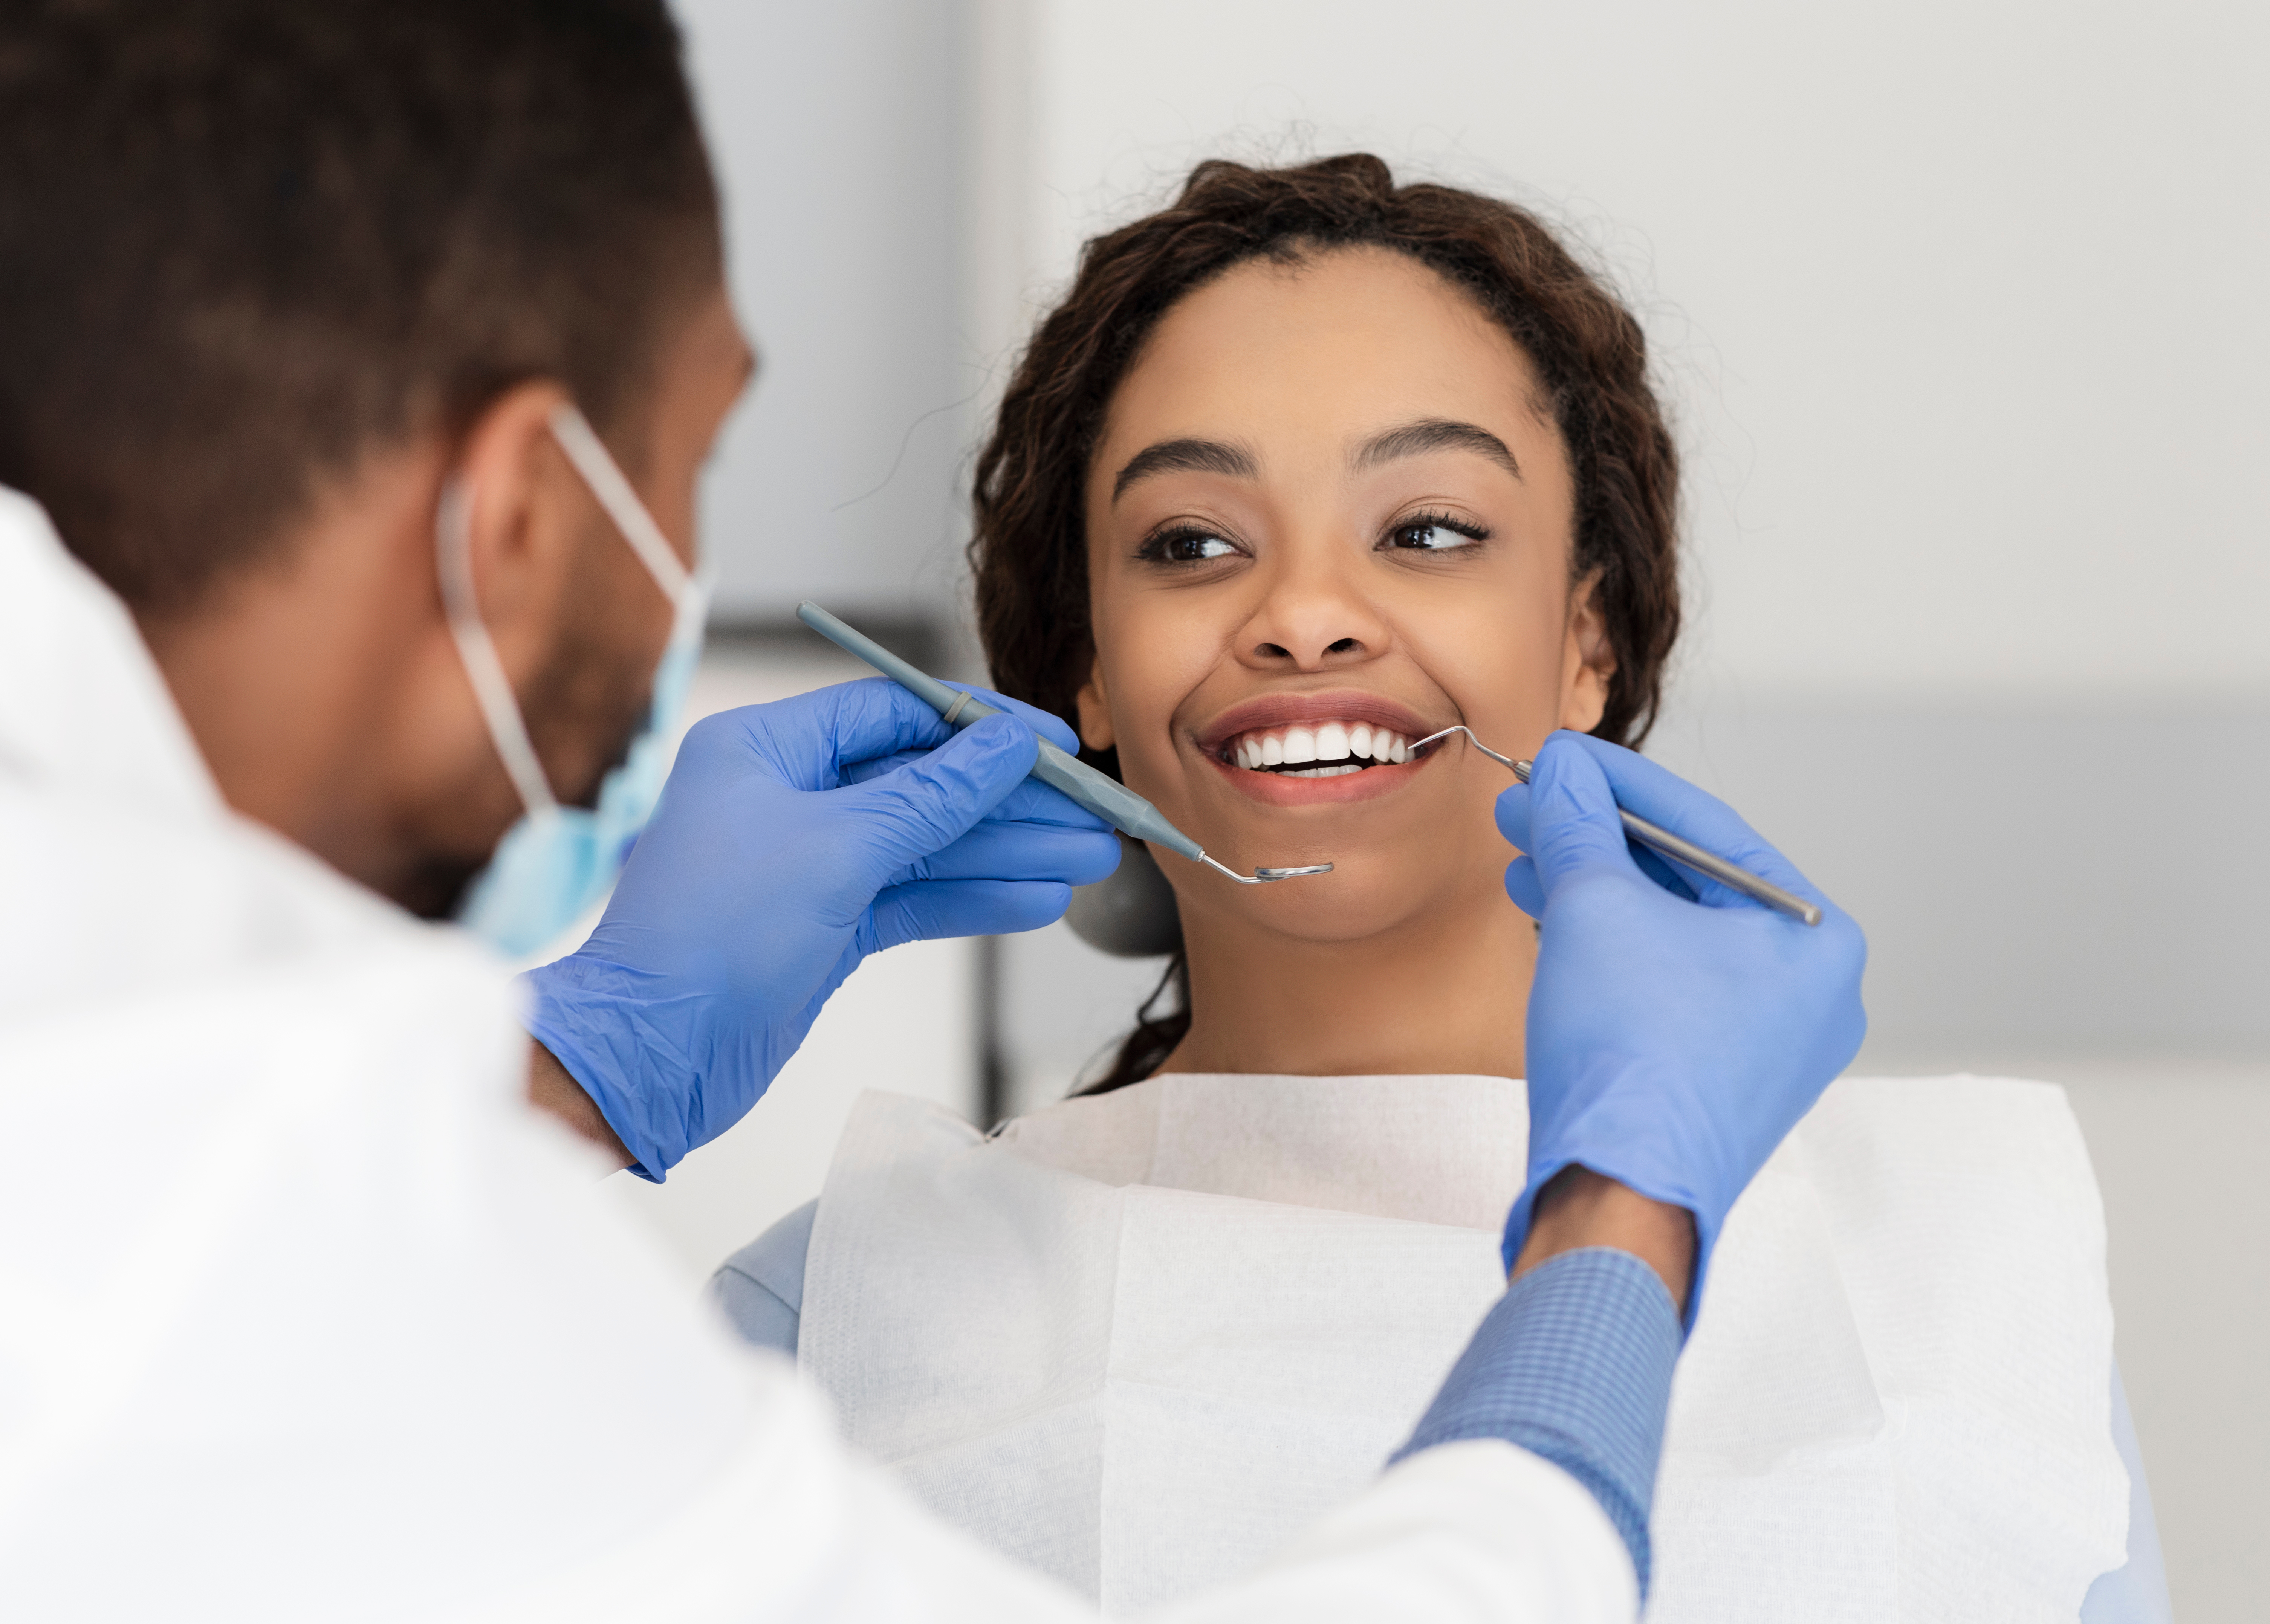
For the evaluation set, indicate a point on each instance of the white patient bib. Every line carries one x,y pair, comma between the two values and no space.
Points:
1141,1340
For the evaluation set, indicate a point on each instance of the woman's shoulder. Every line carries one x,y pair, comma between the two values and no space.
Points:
761,1288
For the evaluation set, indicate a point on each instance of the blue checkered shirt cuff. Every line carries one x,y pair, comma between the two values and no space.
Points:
1574,1364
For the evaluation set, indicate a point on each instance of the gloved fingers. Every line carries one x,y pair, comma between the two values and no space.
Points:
806,741
1528,891
1664,799
1035,802
875,767
924,807
1512,812
1682,883
927,909
857,769
1522,886
1573,826
1030,802
997,849
1046,723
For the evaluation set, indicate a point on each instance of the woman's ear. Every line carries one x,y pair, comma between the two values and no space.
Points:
1589,661
1095,709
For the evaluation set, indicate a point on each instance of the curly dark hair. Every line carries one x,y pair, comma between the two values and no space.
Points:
1029,552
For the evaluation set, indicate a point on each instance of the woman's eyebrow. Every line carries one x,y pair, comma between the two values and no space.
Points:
1435,434
1203,457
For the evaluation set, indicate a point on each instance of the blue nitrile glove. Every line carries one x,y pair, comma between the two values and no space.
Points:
1677,1029
787,847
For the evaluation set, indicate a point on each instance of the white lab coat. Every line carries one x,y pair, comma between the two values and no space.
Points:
303,1313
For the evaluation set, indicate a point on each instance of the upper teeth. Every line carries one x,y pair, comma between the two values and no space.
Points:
1322,741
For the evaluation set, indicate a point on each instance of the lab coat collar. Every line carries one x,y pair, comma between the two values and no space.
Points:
83,710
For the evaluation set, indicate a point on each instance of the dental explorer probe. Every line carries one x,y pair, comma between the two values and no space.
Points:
1107,798
1662,840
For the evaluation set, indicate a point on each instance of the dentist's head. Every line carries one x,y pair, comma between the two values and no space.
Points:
292,299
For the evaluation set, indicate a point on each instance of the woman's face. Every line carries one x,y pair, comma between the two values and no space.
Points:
1330,514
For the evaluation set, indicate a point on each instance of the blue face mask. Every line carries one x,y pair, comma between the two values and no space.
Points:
555,863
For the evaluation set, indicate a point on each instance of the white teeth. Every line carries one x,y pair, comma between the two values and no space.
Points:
1352,742
1338,770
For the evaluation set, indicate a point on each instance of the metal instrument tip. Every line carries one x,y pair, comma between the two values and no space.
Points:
1262,876
1520,768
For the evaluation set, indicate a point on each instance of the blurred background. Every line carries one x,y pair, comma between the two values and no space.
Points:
1962,313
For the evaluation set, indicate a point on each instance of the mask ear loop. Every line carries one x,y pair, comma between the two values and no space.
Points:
688,592
477,651
589,454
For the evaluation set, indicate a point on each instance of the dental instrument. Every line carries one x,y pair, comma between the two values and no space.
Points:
1107,798
1663,840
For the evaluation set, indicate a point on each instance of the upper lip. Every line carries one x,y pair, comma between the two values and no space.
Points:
1272,710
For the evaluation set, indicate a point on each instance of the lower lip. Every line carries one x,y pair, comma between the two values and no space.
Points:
1280,789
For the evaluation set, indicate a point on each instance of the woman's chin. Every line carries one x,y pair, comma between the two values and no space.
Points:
1374,890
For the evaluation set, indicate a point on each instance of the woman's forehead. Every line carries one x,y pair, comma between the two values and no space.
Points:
1298,367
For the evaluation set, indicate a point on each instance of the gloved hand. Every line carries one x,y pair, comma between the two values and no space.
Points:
1677,1029
792,840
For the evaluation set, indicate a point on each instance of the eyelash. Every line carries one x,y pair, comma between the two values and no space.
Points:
1154,548
1432,521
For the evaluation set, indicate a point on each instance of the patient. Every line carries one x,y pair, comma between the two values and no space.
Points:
1302,470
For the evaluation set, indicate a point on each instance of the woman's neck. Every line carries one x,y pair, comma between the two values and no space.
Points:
1447,992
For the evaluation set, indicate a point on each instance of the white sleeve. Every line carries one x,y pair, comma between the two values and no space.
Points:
1470,1533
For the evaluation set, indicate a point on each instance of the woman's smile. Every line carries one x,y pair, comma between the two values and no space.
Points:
1314,749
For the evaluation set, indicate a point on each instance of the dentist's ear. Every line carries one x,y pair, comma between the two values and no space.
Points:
1588,659
526,522
1095,729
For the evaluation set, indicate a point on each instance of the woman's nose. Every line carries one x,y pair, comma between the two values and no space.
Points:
1312,620
1299,655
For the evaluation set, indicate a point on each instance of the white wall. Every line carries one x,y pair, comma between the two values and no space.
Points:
837,134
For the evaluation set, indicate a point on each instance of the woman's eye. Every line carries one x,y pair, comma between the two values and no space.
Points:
1187,547
1434,534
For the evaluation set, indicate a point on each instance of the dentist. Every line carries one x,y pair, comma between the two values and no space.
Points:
356,364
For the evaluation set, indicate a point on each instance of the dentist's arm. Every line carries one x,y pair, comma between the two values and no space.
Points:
1677,1032
1580,1209
552,1089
